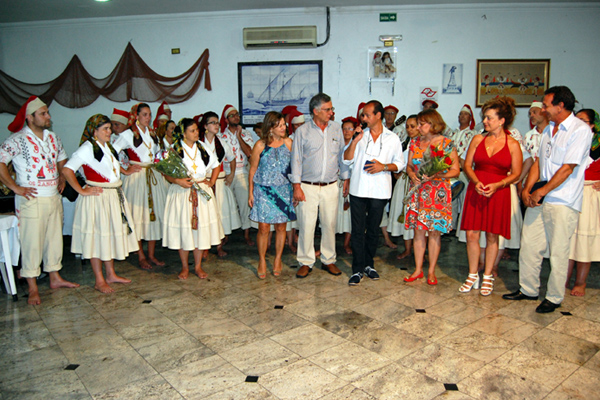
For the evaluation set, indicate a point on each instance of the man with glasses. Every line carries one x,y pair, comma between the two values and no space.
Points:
240,141
374,153
316,163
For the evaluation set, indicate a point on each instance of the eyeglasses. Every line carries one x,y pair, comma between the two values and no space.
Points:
332,109
373,147
213,123
583,120
233,115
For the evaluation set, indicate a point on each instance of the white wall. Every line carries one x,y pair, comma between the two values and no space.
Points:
568,34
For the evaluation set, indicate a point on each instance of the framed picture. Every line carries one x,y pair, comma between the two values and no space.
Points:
270,86
452,79
381,63
523,80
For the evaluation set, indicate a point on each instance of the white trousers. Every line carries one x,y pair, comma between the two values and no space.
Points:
239,186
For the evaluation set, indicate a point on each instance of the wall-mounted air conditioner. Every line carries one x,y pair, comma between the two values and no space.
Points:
280,37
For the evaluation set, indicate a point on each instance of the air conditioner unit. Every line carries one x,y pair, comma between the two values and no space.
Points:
280,37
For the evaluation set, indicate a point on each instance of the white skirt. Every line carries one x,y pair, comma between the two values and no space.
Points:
136,192
98,227
397,208
230,217
516,226
585,242
344,223
178,232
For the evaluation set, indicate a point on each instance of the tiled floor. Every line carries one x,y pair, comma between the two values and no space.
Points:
161,338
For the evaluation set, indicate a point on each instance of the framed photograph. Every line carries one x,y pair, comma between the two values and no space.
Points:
452,79
381,63
270,86
523,80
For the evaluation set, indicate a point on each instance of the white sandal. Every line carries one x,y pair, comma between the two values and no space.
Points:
487,287
472,282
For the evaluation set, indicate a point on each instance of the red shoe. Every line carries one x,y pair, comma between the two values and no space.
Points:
412,279
432,282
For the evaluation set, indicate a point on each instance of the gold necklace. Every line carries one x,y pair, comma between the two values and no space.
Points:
491,145
149,147
193,158
112,158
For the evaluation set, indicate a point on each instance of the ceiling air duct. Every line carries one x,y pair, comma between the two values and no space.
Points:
280,37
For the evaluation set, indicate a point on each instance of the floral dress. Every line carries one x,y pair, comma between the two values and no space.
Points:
430,205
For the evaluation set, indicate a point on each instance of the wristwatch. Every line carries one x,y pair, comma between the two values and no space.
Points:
385,167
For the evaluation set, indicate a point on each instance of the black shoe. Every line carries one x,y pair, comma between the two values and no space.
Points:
518,296
546,307
371,273
355,279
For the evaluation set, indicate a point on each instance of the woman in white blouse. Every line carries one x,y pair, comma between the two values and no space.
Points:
192,220
103,229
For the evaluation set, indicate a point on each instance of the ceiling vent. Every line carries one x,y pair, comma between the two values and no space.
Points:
280,37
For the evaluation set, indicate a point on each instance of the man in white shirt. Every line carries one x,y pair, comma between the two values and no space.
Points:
38,157
240,141
374,153
561,163
531,142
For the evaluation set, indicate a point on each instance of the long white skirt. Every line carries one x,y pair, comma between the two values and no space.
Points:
585,242
178,232
136,192
98,227
230,217
397,208
516,226
344,223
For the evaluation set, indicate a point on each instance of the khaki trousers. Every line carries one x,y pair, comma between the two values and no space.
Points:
321,201
239,186
547,226
40,233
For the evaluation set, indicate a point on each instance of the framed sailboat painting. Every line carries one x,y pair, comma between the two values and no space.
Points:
272,85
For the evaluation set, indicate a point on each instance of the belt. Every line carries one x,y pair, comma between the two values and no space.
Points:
319,183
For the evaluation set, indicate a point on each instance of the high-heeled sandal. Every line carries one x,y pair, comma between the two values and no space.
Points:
487,286
472,282
412,279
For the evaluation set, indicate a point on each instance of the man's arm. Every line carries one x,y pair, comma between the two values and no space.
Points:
557,179
28,193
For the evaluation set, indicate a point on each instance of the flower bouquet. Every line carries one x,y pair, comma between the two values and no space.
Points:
434,160
169,163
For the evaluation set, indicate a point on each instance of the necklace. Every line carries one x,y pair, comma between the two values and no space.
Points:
112,158
194,166
148,146
491,145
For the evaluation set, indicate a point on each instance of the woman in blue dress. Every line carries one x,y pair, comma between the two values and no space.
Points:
270,191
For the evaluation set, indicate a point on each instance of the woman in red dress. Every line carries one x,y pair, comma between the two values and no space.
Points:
497,159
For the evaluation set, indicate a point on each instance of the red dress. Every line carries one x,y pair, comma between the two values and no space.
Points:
491,214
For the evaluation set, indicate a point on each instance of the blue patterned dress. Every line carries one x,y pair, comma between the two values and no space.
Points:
273,194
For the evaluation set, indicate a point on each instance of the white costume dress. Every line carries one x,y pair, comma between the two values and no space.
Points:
397,206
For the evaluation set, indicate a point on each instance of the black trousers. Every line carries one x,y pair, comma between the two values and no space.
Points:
366,216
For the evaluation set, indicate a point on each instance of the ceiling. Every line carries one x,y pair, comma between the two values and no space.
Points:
42,10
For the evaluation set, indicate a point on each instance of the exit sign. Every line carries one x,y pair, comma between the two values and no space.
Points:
387,17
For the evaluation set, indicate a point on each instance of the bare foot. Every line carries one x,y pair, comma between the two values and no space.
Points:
495,272
578,291
403,255
58,282
156,262
505,256
391,245
317,253
293,248
205,255
117,279
220,252
348,249
200,272
144,264
184,274
34,298
250,242
103,288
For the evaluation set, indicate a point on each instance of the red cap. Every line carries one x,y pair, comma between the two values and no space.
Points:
391,107
436,105
360,110
226,111
161,111
350,119
32,105
120,116
289,109
467,108
197,118
293,114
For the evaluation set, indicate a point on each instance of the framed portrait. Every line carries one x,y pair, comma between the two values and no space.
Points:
523,80
272,85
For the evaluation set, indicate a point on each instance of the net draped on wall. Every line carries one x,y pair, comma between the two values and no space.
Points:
131,79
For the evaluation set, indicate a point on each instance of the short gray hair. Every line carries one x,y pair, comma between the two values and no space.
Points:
317,100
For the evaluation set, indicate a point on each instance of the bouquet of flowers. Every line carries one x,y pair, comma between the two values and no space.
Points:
169,163
434,160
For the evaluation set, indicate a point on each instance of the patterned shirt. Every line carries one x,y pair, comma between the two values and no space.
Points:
531,143
230,139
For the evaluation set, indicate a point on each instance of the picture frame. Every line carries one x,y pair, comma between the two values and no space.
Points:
525,80
272,85
381,63
452,78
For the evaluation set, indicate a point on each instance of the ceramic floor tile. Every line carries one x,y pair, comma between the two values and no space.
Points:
205,377
307,340
260,357
93,344
564,347
281,294
32,364
583,384
347,323
426,326
354,295
241,305
476,344
224,334
594,363
243,391
272,321
314,309
524,310
174,352
384,310
505,327
457,312
415,298
493,383
578,327
535,366
349,361
153,388
397,382
301,380
589,311
33,336
59,385
388,341
441,363
348,392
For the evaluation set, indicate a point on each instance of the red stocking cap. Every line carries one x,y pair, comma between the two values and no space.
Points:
350,119
289,109
391,107
436,105
32,105
228,109
120,116
468,109
294,113
197,118
360,110
161,111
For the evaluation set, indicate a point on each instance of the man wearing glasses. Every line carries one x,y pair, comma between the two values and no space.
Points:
316,163
374,153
